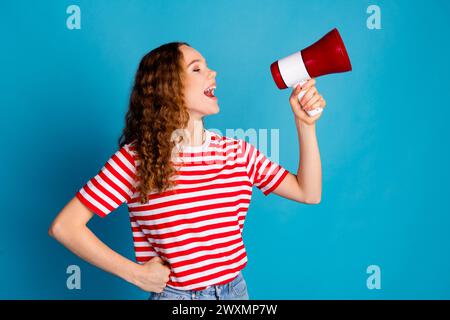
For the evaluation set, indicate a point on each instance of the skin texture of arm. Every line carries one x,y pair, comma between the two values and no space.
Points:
306,186
70,229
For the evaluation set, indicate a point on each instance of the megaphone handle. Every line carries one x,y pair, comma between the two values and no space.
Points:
312,112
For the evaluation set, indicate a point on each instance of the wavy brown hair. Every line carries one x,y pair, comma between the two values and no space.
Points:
156,109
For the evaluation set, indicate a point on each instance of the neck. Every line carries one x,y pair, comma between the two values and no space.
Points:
195,131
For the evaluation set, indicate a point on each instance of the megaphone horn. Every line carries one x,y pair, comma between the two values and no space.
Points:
327,55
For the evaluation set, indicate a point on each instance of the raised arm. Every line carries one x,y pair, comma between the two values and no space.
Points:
306,186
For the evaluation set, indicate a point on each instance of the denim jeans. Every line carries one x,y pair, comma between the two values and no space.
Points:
236,289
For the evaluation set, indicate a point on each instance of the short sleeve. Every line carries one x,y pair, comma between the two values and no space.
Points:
262,172
112,186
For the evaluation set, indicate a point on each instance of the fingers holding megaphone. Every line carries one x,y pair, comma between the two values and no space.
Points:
306,102
310,98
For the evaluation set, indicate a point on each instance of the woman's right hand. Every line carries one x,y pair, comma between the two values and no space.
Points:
153,275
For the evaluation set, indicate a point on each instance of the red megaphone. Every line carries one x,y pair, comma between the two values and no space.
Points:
328,55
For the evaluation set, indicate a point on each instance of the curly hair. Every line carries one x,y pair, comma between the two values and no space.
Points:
156,110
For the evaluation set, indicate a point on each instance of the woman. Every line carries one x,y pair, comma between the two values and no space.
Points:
187,193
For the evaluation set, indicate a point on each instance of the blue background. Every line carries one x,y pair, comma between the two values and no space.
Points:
383,139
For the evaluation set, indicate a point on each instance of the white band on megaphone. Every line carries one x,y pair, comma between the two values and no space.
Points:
293,69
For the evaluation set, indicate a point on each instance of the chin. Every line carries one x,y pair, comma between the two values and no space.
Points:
211,110
216,110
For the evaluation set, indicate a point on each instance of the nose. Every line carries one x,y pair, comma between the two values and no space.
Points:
213,74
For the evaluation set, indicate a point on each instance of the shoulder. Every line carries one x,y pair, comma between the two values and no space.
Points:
129,152
240,146
218,139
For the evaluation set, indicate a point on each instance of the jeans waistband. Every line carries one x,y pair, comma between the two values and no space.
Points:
213,288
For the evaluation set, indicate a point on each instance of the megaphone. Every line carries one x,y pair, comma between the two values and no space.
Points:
327,55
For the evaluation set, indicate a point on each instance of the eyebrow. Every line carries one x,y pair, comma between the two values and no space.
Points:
196,60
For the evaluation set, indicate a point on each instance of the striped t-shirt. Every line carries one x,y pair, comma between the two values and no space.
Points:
197,225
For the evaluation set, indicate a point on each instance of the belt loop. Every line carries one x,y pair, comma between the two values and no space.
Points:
217,292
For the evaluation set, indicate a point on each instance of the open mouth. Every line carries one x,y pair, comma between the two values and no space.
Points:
209,92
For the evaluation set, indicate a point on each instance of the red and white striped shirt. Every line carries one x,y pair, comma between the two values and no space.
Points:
197,225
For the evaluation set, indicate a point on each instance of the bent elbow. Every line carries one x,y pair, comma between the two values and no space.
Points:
51,230
55,230
313,200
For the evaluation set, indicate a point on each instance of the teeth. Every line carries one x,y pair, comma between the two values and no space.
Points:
210,90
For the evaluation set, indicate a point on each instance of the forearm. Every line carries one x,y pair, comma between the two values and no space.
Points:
83,242
309,172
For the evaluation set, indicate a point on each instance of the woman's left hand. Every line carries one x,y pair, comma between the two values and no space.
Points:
311,100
